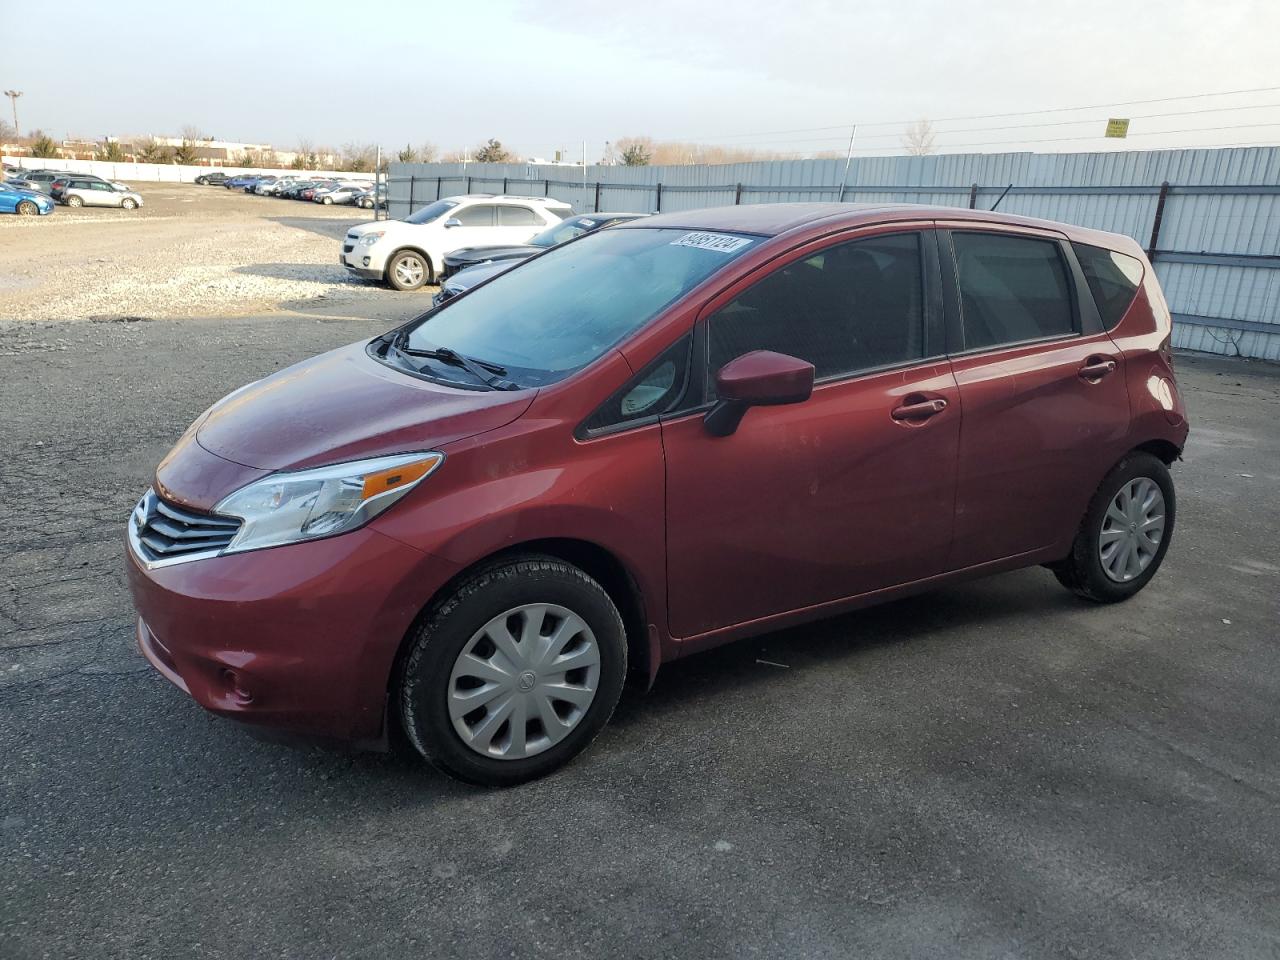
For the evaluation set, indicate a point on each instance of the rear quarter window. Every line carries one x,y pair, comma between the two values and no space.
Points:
1113,280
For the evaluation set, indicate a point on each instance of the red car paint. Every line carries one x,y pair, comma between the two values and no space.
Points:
877,486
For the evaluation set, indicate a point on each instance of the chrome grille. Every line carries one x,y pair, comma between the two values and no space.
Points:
163,533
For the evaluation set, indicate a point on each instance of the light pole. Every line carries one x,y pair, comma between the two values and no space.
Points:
13,96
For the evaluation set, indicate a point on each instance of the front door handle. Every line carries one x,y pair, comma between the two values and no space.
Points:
919,409
1096,368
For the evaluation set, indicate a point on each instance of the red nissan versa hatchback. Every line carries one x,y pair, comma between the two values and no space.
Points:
651,440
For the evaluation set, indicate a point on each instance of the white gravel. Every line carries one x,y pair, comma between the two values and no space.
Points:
208,253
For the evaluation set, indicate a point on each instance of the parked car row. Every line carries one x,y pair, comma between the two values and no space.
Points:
34,192
324,190
410,253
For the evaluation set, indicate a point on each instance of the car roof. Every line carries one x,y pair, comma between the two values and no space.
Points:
775,219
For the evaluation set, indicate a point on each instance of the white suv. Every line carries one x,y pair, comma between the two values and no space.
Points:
410,252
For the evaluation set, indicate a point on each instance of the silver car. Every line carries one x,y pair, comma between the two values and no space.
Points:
97,193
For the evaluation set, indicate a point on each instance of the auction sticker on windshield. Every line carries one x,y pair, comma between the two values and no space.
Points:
719,242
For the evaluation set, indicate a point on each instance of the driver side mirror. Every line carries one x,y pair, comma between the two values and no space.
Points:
452,222
757,379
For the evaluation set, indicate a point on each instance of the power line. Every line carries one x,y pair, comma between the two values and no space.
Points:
987,116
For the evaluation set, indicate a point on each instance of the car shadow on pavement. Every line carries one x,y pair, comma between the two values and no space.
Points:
947,614
307,272
332,227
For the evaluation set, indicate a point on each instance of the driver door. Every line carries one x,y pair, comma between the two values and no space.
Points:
839,495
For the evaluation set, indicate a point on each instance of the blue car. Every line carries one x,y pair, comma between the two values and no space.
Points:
239,182
25,203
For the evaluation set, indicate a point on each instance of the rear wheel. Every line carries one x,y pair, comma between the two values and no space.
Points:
1125,533
408,270
28,208
514,673
74,201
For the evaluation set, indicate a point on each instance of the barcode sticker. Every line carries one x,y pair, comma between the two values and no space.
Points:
719,242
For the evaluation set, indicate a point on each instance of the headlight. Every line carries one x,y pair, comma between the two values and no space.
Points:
369,239
308,504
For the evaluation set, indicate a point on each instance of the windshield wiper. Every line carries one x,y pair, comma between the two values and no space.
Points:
482,370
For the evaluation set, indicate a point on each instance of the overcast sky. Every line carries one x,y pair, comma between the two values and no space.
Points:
544,75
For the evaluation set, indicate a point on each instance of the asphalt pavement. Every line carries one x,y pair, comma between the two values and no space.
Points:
991,770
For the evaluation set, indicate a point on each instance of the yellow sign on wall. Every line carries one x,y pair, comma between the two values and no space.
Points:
1118,128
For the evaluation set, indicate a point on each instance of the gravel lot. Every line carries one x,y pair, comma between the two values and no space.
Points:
188,252
991,770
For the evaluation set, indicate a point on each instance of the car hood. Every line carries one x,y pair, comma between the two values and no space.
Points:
468,278
345,405
481,254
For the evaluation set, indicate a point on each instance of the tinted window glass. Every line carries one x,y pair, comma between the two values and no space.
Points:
518,217
1113,279
431,212
851,307
1011,289
480,215
563,309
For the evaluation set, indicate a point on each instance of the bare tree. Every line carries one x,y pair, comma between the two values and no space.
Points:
427,152
358,157
7,132
918,140
457,156
193,133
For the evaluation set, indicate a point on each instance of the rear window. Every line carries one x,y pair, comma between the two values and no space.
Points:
1113,279
1012,289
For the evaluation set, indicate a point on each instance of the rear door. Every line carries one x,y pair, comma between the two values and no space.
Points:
846,493
518,223
1046,411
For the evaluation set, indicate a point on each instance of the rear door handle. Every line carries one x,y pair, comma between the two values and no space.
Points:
1096,368
919,409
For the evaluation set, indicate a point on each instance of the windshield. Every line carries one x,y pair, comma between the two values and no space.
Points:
562,310
562,231
431,212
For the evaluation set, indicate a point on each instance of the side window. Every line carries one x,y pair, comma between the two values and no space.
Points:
477,215
518,217
657,389
1113,279
851,307
1011,289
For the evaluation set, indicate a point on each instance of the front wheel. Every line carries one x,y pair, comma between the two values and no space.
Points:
408,270
28,208
129,203
514,673
327,200
1125,533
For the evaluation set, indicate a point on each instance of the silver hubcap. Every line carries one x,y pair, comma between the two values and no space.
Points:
1132,530
409,271
524,681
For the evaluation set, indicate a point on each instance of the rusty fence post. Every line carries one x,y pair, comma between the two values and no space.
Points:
737,195
973,197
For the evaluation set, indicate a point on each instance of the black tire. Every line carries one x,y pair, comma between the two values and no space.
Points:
400,283
1082,571
74,202
28,208
434,646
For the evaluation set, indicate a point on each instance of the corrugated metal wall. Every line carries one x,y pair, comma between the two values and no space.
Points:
1219,233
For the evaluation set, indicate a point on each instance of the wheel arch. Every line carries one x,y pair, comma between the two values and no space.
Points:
1165,450
599,563
431,267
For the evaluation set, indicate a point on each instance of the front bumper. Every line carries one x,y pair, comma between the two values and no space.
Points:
354,255
302,638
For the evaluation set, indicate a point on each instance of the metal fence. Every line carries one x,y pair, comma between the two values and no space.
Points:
1210,219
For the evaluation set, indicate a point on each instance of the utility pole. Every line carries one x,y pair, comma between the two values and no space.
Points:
13,96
